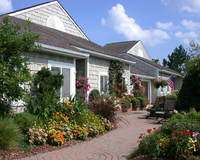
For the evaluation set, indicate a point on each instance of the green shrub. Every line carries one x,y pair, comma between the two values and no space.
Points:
178,116
194,115
143,101
126,103
105,106
88,118
94,93
10,135
135,102
25,121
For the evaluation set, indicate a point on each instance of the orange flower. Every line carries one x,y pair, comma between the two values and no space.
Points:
61,122
57,112
79,132
84,128
55,140
74,134
61,115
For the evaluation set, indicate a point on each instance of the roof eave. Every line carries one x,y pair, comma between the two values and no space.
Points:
61,51
142,76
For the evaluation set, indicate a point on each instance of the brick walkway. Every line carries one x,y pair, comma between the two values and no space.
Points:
115,145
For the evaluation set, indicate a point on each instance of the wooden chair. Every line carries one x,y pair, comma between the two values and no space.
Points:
168,109
153,111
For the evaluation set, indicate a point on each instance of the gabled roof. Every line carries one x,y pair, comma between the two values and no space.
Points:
121,47
136,71
24,11
56,38
162,68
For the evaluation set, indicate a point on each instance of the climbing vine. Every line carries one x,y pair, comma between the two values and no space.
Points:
116,81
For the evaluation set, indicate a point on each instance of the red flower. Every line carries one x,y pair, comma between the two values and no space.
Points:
177,157
175,139
184,153
158,131
158,141
154,128
173,134
149,130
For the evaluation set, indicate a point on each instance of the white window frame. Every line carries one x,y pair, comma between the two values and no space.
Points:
72,68
102,74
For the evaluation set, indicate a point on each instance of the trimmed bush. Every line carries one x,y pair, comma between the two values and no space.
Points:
94,93
143,101
126,103
10,135
135,102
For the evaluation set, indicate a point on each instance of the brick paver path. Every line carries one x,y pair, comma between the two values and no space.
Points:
115,145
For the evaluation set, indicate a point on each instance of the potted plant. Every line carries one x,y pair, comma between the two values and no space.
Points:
126,105
160,83
82,82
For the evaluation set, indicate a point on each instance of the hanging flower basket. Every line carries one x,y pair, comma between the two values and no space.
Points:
160,83
82,82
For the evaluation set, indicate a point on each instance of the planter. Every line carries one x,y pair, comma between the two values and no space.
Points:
135,109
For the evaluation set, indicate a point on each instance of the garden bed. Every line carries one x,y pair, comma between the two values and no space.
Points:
36,149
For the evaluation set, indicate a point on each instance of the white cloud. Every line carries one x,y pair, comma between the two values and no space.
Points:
190,25
103,21
186,37
191,6
5,6
165,26
121,23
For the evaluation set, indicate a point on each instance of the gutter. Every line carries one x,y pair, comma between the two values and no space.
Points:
61,51
100,55
142,76
168,72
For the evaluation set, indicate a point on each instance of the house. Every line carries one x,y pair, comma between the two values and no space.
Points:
145,68
66,49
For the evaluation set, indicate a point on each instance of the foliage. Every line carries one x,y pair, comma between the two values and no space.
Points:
25,121
116,81
47,99
9,133
143,101
92,130
36,135
156,60
57,138
108,125
160,83
59,117
135,102
126,103
13,68
79,132
174,94
82,82
105,106
94,93
138,90
176,139
189,93
178,116
88,118
176,59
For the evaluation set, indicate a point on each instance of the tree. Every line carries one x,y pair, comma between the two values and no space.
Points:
13,67
156,60
176,59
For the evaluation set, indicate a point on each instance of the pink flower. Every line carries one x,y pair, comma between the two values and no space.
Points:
30,141
40,130
31,137
30,130
63,133
45,135
44,140
68,128
39,137
92,130
33,128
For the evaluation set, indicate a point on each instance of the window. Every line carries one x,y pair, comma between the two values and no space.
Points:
103,82
66,70
168,88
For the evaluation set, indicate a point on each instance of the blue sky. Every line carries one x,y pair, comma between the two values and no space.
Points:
161,25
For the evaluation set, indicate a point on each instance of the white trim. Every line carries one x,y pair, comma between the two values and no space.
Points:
31,8
100,55
61,51
142,76
102,74
72,68
168,72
